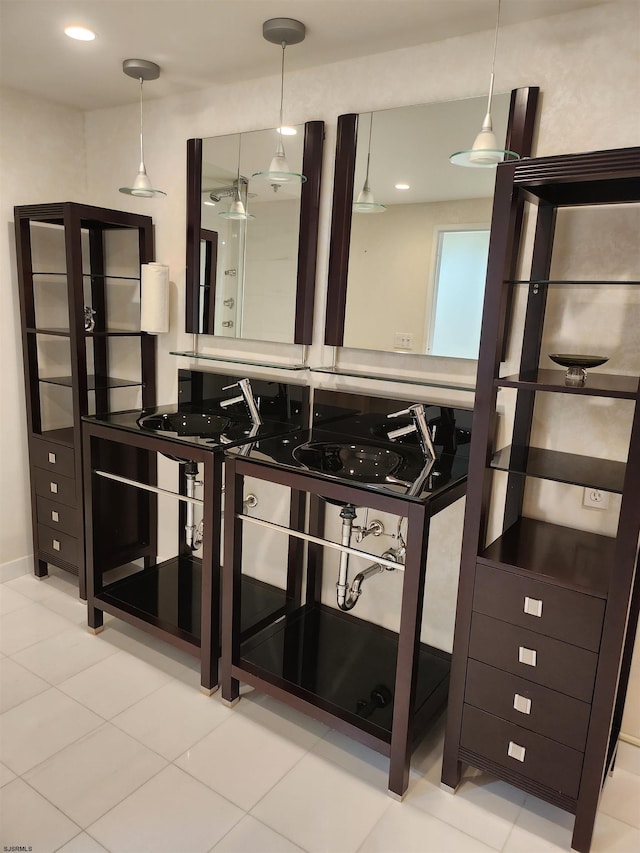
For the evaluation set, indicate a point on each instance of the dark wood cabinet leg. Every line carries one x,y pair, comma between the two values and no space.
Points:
408,651
231,582
95,619
41,569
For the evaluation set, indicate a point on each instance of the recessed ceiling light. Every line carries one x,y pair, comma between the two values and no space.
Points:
79,33
287,131
403,187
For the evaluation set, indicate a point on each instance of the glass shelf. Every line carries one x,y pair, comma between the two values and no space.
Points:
561,281
92,383
306,652
572,558
406,380
66,333
572,468
245,361
90,275
597,384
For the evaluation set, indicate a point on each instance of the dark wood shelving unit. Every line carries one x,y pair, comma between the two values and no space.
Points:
76,243
547,612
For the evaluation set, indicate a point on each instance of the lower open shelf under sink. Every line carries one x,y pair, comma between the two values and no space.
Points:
346,666
168,595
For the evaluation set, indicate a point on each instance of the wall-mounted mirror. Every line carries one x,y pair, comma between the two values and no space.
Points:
407,268
252,278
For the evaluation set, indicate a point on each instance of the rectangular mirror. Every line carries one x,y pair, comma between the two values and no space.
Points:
410,230
252,276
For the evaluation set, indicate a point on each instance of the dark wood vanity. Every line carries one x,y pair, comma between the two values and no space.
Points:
176,598
379,686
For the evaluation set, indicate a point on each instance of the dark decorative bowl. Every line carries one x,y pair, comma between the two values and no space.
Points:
575,360
577,364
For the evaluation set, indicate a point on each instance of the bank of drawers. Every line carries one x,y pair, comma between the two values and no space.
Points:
530,676
58,516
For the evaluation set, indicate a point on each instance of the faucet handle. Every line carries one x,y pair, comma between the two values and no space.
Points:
400,413
233,385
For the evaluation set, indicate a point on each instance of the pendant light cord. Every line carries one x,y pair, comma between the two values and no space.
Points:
493,61
142,167
284,44
366,177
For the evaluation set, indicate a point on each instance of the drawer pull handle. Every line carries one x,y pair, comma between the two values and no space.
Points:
53,488
527,656
56,544
522,704
54,515
532,606
516,751
52,458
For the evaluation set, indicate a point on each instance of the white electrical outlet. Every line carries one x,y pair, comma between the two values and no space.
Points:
595,499
403,340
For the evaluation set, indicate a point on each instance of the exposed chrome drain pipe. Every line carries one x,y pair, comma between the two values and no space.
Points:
193,533
347,596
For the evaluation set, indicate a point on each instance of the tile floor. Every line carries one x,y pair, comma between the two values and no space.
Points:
106,743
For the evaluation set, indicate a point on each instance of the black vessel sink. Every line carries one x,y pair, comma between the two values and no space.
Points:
362,463
186,423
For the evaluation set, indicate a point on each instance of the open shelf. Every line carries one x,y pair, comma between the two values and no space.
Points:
573,468
597,384
384,377
572,558
168,596
335,661
59,436
93,382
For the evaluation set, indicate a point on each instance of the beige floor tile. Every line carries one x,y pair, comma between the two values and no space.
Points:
92,775
40,727
64,655
17,684
172,812
251,835
29,821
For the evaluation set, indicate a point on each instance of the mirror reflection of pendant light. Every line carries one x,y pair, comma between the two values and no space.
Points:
237,209
142,70
485,153
282,31
365,202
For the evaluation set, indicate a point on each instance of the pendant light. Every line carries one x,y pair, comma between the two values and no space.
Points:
237,209
282,31
365,202
485,153
142,70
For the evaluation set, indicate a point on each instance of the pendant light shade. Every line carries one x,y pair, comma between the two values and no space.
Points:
365,203
237,209
485,152
282,31
142,70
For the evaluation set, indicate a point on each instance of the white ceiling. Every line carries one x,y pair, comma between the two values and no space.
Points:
200,43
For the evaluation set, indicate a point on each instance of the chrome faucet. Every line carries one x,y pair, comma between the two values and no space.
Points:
420,425
246,397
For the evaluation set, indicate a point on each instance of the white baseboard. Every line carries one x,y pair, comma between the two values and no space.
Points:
15,568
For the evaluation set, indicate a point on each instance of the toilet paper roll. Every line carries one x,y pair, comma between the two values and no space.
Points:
154,298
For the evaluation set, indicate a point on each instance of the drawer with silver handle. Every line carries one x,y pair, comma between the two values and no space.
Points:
55,487
53,457
58,545
555,611
527,704
559,666
58,516
524,752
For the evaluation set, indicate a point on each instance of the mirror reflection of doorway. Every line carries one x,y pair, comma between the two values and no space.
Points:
453,321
